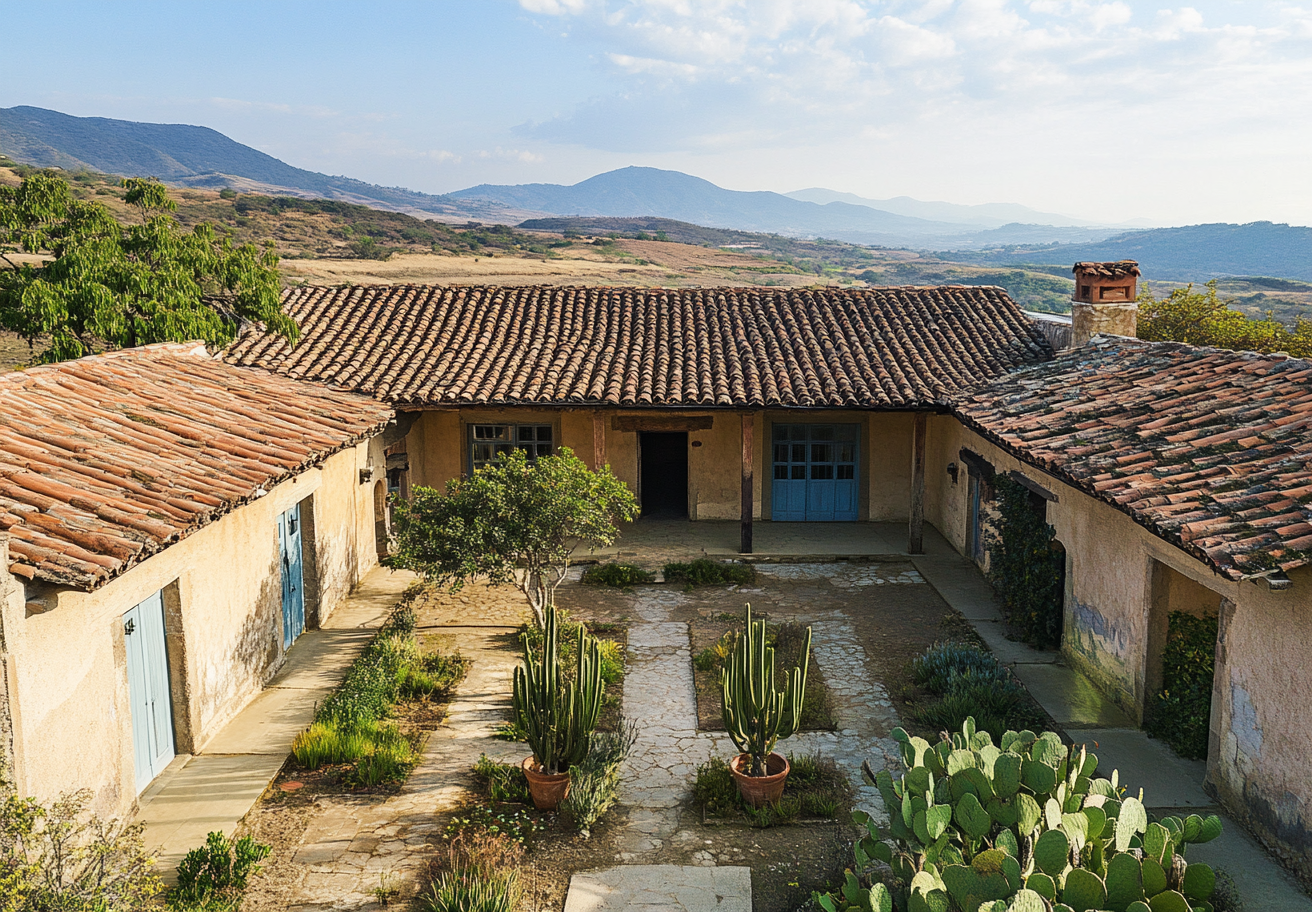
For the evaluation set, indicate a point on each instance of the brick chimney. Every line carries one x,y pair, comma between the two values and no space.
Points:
1104,300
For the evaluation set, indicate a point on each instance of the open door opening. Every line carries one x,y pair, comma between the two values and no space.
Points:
663,482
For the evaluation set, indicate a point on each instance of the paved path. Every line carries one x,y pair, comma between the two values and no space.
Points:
1169,782
216,787
658,888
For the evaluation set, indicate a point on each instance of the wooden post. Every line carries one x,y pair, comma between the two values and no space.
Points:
598,441
748,422
916,534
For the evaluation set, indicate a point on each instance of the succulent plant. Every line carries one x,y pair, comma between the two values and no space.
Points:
756,713
1024,826
558,720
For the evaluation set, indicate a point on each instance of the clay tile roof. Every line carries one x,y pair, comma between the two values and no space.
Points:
692,347
1209,449
1117,270
108,459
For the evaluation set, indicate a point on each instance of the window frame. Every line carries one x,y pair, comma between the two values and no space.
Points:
530,442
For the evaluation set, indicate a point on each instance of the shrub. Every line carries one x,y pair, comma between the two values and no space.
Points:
1021,825
594,783
60,857
480,875
435,676
940,663
970,683
617,575
227,193
501,781
1182,712
1023,567
706,572
213,877
714,789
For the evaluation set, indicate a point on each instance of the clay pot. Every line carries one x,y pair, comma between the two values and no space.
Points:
547,790
759,791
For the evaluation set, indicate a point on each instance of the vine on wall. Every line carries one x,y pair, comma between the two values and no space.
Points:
1025,570
1182,712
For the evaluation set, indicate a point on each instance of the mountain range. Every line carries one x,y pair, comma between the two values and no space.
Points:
995,233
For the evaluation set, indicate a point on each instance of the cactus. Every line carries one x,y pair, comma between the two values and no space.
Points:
756,714
1022,826
558,720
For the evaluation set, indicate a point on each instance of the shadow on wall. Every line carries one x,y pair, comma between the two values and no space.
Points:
253,657
1103,645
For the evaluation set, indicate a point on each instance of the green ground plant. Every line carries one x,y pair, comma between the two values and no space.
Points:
816,788
617,575
594,782
1025,569
60,856
213,877
967,681
479,874
1182,712
1021,826
706,572
351,726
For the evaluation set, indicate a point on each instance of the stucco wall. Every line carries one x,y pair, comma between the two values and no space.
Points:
1122,582
69,681
438,449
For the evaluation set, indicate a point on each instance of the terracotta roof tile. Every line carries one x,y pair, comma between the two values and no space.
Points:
108,459
1117,270
702,348
1224,481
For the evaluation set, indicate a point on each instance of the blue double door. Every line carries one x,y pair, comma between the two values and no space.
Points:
815,472
148,689
293,576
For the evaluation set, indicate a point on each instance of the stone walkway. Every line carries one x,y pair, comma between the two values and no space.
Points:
659,693
657,888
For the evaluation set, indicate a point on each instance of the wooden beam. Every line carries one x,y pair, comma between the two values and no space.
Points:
748,424
663,422
598,441
916,533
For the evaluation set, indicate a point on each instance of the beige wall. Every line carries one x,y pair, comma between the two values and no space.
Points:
68,683
1122,583
438,450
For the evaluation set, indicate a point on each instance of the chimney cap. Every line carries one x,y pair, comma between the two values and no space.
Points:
1117,270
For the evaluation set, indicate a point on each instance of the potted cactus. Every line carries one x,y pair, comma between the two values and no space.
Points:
757,714
557,720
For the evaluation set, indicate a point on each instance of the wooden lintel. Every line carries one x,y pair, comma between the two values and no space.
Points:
748,424
598,441
662,422
1033,486
916,532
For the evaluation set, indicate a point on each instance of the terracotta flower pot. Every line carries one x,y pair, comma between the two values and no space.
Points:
547,790
759,791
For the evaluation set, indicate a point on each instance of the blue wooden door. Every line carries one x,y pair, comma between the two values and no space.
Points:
148,689
293,588
815,477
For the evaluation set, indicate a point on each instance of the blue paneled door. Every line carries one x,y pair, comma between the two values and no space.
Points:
293,582
815,478
148,689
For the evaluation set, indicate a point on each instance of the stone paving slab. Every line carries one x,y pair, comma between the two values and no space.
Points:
658,888
1071,699
1167,779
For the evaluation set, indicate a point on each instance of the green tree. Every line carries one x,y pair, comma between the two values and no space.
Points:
1204,318
109,285
514,521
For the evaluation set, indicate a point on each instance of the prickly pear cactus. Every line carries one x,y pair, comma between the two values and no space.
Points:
1023,826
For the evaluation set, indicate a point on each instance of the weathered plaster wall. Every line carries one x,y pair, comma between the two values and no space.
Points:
1122,582
438,449
73,725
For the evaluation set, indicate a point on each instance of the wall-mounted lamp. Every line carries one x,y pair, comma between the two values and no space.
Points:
952,471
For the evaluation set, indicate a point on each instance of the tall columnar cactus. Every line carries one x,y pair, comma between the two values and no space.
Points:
756,713
558,720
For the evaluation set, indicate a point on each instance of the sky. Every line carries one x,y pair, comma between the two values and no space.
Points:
1104,111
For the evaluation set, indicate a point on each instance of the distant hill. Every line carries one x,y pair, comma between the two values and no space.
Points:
1192,254
634,192
986,215
196,157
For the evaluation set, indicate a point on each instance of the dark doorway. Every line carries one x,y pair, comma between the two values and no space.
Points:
664,481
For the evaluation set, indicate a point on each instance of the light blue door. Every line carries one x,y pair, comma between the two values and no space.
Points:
148,689
815,473
293,589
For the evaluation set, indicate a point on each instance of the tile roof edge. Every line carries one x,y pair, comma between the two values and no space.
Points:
1231,573
229,506
194,349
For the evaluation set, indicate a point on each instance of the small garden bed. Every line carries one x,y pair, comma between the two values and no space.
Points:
957,679
816,790
712,640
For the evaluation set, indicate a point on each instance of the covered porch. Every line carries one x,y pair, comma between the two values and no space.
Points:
661,540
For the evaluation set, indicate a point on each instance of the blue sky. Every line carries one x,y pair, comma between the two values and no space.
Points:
1104,110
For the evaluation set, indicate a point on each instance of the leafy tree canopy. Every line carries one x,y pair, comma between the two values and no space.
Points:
514,521
1203,318
109,285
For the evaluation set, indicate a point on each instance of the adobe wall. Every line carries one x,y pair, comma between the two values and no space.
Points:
438,450
223,625
1122,582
